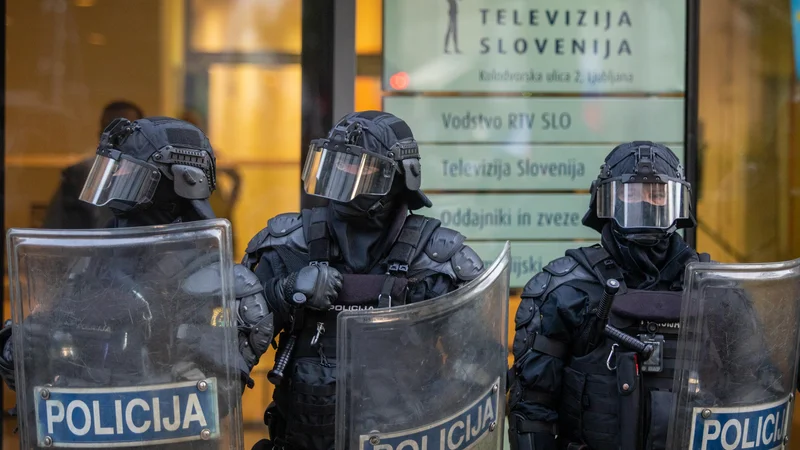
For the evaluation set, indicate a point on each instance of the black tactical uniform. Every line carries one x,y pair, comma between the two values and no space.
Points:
362,251
153,171
594,394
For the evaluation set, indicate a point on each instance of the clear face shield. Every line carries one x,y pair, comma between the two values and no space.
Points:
343,173
115,177
643,205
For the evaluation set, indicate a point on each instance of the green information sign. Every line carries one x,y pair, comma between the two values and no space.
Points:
527,258
513,216
581,46
513,167
516,104
540,120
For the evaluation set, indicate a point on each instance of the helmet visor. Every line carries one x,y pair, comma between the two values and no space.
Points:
119,179
643,205
342,176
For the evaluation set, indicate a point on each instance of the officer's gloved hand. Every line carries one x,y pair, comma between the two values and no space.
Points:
7,355
314,287
253,317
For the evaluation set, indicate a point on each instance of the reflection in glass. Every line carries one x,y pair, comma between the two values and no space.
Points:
246,26
68,60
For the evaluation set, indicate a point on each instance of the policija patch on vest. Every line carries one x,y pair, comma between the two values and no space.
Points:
459,431
755,427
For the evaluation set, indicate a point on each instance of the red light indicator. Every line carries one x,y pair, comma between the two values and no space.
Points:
399,81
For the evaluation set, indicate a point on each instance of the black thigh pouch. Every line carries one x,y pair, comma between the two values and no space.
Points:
660,410
311,412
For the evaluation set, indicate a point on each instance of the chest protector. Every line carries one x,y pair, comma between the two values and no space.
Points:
303,415
611,399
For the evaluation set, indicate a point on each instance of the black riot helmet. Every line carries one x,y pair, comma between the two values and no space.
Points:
642,188
368,154
132,158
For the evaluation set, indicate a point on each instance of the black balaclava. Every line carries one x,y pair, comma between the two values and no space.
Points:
167,207
366,226
648,265
364,237
185,158
650,258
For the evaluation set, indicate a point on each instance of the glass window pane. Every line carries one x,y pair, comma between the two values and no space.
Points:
269,189
246,26
748,145
368,93
254,111
254,123
369,23
68,59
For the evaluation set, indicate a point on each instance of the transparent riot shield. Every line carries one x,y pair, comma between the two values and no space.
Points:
428,375
737,356
125,337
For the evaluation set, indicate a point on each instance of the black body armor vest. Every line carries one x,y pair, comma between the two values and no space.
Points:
610,399
303,413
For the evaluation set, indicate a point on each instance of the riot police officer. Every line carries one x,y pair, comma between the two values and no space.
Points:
570,388
364,250
157,171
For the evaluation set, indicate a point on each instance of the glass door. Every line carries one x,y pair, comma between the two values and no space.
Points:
233,68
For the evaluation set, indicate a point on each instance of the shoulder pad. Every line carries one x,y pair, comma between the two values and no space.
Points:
284,224
245,282
443,244
561,266
536,285
467,265
205,281
257,241
278,226
554,274
557,267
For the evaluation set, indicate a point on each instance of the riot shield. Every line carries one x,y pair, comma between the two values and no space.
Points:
125,337
428,375
736,370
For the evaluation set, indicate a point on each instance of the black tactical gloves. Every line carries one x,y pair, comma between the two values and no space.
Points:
314,287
